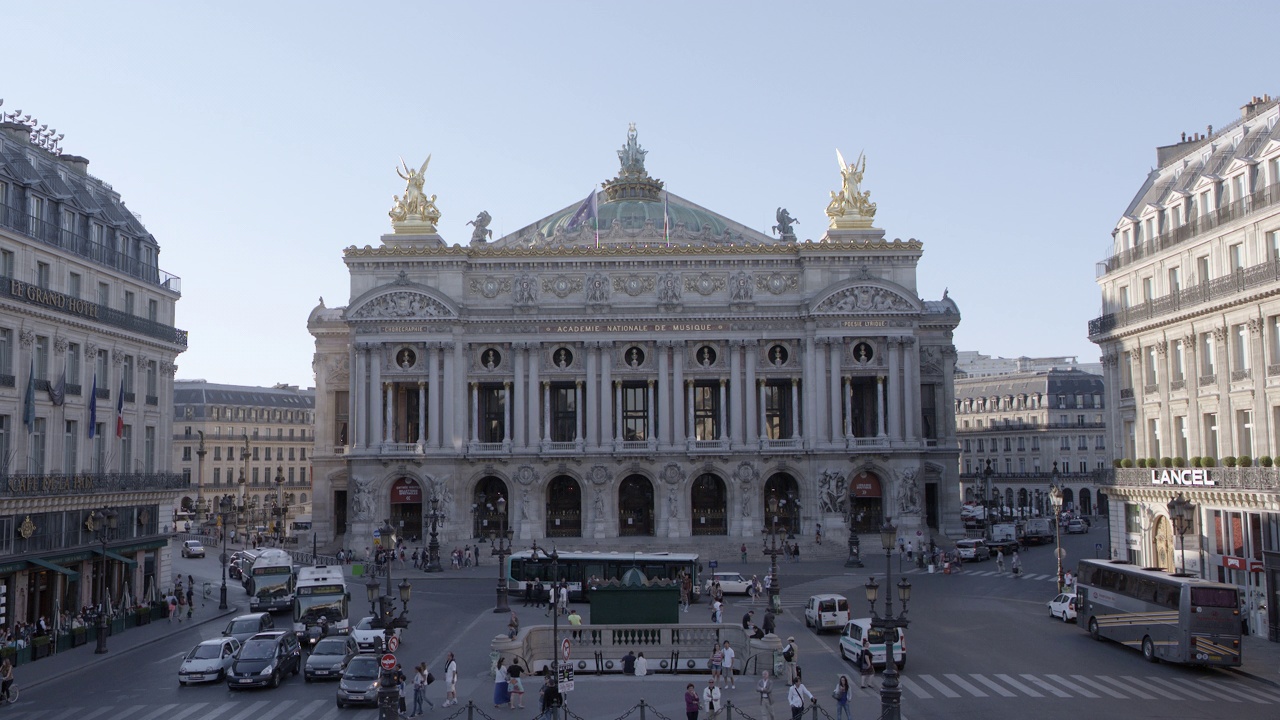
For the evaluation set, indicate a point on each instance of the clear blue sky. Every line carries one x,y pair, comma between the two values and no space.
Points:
257,140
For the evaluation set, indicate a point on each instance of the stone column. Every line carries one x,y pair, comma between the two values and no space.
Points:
360,397
1262,412
389,407
514,407
546,411
735,393
752,426
375,393
724,419
475,412
818,394
846,397
595,389
449,405
880,405
616,404
1111,363
532,393
606,395
894,382
795,415
578,431
650,417
506,416
678,422
435,393
688,414
422,412
834,380
762,407
664,392
810,382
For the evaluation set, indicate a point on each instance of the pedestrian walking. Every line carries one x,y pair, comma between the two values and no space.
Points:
450,681
515,685
770,622
841,696
711,700
754,589
744,553
797,697
691,702
1000,560
727,665
190,601
716,608
550,699
764,686
501,693
910,551
715,663
402,690
562,603
686,591
866,666
789,656
1017,564
420,689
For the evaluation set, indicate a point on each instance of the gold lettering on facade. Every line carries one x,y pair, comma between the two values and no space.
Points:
41,296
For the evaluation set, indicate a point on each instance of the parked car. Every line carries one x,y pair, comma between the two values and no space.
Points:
731,583
857,629
192,549
265,659
973,550
1063,606
368,637
244,627
359,684
827,612
1077,526
329,658
208,661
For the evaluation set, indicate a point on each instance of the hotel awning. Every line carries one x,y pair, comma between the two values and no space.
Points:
117,557
71,574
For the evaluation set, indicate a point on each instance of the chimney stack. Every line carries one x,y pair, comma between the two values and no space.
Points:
17,132
75,163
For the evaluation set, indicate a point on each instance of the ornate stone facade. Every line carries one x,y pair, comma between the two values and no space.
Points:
632,384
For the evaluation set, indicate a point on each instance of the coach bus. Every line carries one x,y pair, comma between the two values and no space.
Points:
270,582
1168,617
575,568
321,591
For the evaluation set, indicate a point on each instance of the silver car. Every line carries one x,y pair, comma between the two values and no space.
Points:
329,658
208,661
359,684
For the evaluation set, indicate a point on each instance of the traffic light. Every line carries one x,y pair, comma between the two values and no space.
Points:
4,603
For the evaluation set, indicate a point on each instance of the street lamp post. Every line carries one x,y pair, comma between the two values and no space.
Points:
986,498
241,519
225,506
388,695
890,692
1182,513
433,547
502,548
279,510
855,544
775,598
555,616
200,509
102,523
1055,497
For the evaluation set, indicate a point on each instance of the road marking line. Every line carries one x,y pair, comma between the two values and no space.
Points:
65,713
914,688
170,658
1046,686
190,709
1019,686
134,710
1260,692
331,715
313,708
218,710
1208,691
1138,693
939,686
965,685
279,709
1071,686
252,710
95,713
1160,690
156,713
993,685
1246,693
1099,687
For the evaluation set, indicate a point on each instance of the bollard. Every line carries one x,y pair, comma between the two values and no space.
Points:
471,709
642,717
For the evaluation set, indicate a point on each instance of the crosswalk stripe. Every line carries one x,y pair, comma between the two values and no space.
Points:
1127,688
1071,686
186,711
65,713
993,685
1260,692
1098,686
1019,686
1045,686
94,714
158,712
1246,693
965,685
914,688
252,710
277,710
937,684
1161,691
134,710
1200,688
313,708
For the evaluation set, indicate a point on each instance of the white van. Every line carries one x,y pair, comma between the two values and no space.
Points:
827,612
856,630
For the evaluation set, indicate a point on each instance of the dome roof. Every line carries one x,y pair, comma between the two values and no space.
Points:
635,214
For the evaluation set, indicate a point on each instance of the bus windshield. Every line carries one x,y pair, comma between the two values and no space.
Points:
310,608
271,586
1214,597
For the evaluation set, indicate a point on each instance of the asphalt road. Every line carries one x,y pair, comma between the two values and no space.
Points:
979,645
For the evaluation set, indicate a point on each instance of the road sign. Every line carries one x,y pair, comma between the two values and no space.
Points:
393,644
564,649
564,681
713,564
388,662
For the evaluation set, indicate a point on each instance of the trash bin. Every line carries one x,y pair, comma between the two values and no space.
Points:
931,566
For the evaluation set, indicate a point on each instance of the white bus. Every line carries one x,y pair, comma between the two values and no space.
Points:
575,568
270,581
321,592
1169,617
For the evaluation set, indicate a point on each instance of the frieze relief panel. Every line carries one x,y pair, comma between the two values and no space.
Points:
562,285
634,285
402,304
705,284
490,286
864,298
777,283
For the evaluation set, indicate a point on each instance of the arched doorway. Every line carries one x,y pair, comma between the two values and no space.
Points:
406,509
484,506
635,506
1068,499
1086,505
781,501
709,502
564,507
865,505
1162,543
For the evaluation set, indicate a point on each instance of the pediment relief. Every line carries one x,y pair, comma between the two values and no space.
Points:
865,298
402,304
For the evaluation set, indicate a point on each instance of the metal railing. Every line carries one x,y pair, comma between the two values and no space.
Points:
1242,279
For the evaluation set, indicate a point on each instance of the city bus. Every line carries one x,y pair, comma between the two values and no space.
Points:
270,581
527,566
1176,618
321,592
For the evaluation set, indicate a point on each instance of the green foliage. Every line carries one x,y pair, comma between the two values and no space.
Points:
1208,461
1229,461
1117,463
1195,461
1265,460
1166,462
1127,462
1245,461
1179,462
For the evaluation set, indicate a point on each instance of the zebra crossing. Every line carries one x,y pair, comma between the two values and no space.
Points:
221,710
988,573
951,686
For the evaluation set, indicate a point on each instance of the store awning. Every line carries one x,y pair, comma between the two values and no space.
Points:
71,574
117,557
